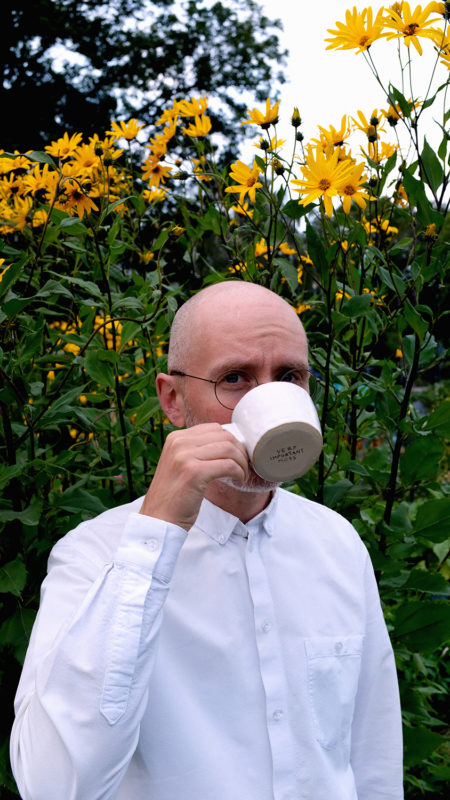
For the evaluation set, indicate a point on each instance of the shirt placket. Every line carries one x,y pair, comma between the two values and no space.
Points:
272,670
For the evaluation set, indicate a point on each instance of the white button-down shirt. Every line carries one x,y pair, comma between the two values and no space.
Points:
235,662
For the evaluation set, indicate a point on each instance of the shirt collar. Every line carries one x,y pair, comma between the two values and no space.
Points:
219,524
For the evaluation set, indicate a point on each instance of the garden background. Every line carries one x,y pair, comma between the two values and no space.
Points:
115,211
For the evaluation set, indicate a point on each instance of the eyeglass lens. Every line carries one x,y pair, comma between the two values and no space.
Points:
231,386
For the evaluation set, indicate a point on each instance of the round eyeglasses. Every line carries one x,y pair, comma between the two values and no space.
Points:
232,385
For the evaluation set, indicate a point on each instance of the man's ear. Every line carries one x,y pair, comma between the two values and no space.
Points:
171,399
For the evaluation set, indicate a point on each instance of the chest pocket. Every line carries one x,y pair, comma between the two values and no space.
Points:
333,672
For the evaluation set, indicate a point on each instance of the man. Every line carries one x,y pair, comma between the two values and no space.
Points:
221,639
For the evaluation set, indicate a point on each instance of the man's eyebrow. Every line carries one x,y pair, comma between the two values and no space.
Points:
249,366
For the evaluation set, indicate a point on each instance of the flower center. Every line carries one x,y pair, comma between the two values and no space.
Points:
251,180
410,30
349,189
324,184
363,41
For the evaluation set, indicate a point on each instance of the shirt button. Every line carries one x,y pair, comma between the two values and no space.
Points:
222,539
267,626
277,714
338,647
152,544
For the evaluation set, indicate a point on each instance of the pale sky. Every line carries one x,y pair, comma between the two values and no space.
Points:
325,84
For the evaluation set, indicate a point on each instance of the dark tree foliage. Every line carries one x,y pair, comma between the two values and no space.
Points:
133,57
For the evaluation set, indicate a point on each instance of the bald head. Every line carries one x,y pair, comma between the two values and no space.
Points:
220,308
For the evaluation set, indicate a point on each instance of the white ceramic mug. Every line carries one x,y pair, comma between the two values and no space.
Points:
278,424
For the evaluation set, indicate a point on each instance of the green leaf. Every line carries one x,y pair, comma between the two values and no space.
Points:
422,625
161,240
392,280
76,499
289,272
432,167
294,210
147,409
424,581
439,420
433,520
316,251
15,631
42,157
98,369
13,576
357,306
420,743
112,206
72,225
420,460
11,273
334,492
415,320
415,189
29,516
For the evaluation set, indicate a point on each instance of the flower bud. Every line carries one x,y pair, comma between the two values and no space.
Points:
296,119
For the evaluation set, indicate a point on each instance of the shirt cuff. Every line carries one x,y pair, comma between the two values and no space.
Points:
145,538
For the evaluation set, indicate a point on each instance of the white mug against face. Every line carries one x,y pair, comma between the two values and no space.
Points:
278,424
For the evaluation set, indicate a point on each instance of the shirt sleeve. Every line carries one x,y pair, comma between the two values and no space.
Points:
84,686
376,753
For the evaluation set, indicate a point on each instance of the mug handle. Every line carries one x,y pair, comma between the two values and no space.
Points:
233,428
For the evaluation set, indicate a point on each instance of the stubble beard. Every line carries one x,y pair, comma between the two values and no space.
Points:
254,482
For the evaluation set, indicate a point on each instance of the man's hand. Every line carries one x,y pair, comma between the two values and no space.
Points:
189,461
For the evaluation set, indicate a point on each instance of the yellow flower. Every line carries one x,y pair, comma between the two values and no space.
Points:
199,169
177,231
409,25
247,180
270,146
154,195
301,307
199,128
169,114
442,42
370,128
340,295
400,196
65,146
39,218
378,151
399,353
430,231
322,178
351,188
244,209
358,32
77,199
155,172
125,130
380,226
158,146
263,120
287,250
85,158
146,256
261,248
194,108
333,136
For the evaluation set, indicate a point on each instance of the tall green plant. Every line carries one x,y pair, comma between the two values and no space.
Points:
101,246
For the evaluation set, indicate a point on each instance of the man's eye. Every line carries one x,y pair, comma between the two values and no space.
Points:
293,376
232,379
